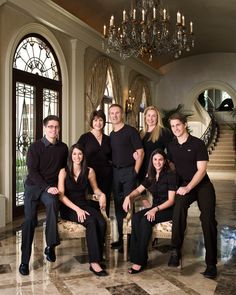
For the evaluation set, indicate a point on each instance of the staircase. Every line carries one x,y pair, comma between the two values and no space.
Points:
223,155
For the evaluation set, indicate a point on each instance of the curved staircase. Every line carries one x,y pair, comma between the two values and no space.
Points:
223,156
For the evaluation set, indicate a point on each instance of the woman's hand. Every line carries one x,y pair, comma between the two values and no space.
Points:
81,215
102,201
126,204
135,155
151,214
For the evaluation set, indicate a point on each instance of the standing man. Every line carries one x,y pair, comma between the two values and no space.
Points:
125,141
45,158
189,155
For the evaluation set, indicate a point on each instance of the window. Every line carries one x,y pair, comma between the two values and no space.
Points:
36,94
106,102
142,107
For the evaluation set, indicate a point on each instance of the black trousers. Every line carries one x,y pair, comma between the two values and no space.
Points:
51,204
141,234
95,231
124,182
204,194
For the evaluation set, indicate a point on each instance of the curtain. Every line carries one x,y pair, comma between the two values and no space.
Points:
137,86
96,83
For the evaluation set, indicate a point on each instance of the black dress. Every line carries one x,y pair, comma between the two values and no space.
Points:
98,157
141,227
162,143
94,223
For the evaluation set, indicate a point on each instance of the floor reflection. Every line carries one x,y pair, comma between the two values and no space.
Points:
70,273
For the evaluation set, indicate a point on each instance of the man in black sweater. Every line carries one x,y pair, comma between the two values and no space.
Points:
45,158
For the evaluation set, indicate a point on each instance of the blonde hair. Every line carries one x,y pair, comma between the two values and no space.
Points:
156,132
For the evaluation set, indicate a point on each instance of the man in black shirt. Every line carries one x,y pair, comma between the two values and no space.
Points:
45,158
189,155
125,140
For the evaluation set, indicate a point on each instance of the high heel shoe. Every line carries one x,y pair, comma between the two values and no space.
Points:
134,271
101,273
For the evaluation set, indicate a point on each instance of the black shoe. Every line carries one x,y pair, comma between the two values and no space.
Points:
101,273
103,265
50,254
175,258
134,271
210,272
116,245
24,269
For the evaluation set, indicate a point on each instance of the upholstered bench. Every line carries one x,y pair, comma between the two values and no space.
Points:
161,230
73,230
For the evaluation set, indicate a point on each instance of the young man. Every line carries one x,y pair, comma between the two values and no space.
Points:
125,141
189,155
45,158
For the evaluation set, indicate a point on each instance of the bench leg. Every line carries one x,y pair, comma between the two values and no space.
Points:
125,245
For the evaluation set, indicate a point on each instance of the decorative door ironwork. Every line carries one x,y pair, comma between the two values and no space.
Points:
36,94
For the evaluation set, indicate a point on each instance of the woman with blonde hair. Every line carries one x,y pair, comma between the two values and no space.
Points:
154,136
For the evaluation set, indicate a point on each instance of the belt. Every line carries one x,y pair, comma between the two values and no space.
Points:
121,167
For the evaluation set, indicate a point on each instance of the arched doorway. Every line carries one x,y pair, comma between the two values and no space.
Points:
36,93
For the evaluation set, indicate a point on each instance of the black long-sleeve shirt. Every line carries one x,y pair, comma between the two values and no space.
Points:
44,161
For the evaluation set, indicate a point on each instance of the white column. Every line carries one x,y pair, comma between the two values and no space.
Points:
2,211
77,105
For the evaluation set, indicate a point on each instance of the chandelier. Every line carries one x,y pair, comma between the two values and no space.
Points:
146,31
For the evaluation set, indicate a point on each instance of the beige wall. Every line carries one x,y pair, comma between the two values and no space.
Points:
185,79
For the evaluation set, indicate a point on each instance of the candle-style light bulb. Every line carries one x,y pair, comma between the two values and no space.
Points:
154,13
112,21
143,15
134,14
104,30
178,18
124,15
183,21
191,27
164,14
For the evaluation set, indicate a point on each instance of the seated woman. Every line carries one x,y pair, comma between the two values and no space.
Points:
162,184
72,184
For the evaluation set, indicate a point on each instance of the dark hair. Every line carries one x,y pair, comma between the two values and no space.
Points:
151,169
178,116
70,162
50,118
99,114
118,106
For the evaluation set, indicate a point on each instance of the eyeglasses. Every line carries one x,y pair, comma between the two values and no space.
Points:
52,127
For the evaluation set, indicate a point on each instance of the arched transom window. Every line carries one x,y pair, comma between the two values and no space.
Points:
36,94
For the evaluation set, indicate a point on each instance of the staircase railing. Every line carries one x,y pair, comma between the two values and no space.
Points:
210,132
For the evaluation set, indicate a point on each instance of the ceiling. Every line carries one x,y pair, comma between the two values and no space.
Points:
214,21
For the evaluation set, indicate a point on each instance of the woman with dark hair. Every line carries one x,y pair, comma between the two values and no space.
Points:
161,182
72,185
97,151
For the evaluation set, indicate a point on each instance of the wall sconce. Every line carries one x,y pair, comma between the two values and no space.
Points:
129,104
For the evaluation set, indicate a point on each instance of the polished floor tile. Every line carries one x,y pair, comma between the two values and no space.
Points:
70,274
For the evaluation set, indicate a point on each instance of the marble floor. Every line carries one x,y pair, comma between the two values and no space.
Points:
70,274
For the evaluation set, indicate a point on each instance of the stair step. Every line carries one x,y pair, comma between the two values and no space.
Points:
220,156
221,167
226,141
226,135
223,161
222,148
